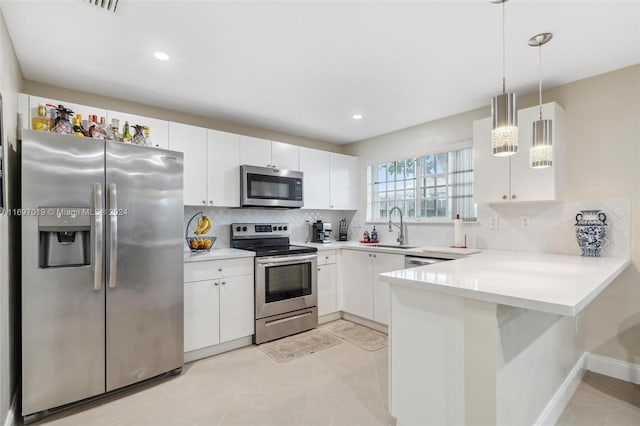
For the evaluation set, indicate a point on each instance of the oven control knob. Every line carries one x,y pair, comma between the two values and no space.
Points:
238,228
285,228
244,228
279,228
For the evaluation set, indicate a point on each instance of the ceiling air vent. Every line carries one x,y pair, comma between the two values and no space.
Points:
106,5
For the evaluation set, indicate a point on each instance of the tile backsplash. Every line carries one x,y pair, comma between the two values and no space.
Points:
550,226
299,220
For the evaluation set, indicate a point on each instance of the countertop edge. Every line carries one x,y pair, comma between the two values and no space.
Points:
500,299
579,307
519,302
217,254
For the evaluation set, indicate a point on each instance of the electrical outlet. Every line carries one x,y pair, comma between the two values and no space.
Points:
525,221
494,222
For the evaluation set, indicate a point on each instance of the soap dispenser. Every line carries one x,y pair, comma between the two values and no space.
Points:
374,234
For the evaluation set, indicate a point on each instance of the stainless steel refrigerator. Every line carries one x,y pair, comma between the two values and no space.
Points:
102,294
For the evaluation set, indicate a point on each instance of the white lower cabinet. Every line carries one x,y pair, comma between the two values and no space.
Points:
237,316
357,283
220,308
201,314
383,262
327,283
363,294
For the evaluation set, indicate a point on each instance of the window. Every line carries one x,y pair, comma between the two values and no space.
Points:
433,186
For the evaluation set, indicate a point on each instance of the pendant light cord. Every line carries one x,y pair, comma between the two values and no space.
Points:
504,55
540,80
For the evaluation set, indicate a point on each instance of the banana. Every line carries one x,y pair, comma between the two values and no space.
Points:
207,225
203,226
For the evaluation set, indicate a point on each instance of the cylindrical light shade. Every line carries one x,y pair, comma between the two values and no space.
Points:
504,137
541,152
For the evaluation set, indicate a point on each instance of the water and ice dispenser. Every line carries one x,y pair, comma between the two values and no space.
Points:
65,234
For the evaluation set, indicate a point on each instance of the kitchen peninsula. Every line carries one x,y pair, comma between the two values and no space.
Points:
491,338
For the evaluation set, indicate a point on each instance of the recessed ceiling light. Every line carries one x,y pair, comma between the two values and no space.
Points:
161,56
357,116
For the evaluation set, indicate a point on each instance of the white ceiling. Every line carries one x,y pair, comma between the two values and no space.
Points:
304,67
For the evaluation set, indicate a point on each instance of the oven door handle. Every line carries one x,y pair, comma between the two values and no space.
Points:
285,260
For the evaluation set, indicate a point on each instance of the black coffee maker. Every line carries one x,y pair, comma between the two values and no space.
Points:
320,232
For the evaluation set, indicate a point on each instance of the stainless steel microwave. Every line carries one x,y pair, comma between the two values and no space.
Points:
270,187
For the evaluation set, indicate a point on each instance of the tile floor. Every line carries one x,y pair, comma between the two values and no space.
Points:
340,386
601,400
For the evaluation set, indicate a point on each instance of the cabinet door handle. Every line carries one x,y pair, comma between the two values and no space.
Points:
210,201
513,197
504,197
204,202
215,283
318,269
374,255
219,269
224,282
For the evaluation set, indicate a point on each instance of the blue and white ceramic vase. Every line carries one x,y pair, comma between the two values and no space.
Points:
590,231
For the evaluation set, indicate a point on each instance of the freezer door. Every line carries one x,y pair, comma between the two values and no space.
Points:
144,260
63,296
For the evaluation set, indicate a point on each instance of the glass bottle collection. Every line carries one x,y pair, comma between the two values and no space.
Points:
52,118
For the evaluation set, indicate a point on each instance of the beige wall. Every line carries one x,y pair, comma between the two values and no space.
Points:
603,162
10,85
90,99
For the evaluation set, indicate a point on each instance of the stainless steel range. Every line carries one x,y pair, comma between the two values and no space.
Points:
286,286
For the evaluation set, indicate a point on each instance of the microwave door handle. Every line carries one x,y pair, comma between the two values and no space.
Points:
97,236
113,235
271,261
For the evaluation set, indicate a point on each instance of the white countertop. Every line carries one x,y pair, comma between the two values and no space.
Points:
217,254
230,253
445,252
558,284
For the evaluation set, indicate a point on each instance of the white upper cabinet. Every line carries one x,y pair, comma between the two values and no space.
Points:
265,153
316,166
192,142
511,179
285,156
223,171
255,151
344,182
158,129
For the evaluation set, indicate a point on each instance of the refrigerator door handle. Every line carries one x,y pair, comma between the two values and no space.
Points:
113,235
97,236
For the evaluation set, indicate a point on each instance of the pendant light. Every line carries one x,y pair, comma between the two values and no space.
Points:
504,136
541,152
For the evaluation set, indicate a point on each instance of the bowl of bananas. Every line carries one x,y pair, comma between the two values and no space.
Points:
197,240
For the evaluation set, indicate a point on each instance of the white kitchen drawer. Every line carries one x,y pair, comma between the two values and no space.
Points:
214,269
327,257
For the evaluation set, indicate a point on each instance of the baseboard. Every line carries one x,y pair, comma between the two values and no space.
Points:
329,317
613,368
561,398
218,349
366,322
12,416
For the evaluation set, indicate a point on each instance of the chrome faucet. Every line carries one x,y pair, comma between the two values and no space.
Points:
401,237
